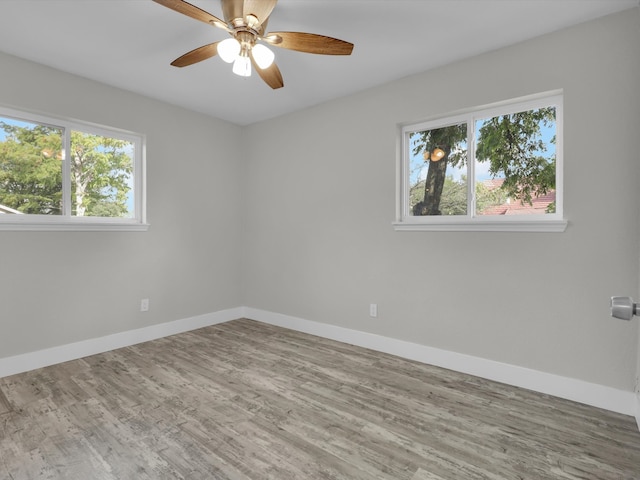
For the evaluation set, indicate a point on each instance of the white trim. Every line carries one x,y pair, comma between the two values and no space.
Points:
569,388
627,403
549,226
64,353
74,226
638,409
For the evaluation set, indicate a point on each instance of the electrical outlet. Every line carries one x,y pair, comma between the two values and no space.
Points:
144,305
373,310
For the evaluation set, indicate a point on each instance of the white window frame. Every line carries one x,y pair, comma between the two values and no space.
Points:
66,221
551,222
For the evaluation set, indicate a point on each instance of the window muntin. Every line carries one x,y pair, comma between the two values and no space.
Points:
58,174
513,181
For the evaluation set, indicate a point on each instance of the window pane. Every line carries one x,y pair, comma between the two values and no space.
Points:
30,168
438,172
515,167
101,176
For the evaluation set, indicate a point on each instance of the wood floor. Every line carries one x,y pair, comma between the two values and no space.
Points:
243,400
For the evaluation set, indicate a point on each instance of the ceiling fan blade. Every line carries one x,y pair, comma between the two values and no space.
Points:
271,75
197,55
192,11
232,9
261,9
309,43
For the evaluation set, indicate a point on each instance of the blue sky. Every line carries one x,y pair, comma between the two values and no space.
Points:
13,122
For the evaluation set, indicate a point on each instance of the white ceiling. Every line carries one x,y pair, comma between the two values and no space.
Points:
130,43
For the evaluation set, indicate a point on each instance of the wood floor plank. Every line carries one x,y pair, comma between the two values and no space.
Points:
5,406
244,401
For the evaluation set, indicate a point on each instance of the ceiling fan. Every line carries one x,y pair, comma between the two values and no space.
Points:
246,22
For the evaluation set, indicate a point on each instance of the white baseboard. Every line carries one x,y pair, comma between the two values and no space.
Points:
50,356
620,401
569,388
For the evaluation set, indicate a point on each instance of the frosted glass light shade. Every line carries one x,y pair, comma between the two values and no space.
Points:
242,66
229,49
263,56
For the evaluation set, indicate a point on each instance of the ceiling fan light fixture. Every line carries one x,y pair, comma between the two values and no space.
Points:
263,56
247,29
242,66
229,49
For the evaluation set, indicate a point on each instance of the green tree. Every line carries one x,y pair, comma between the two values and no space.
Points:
451,141
454,196
31,171
100,171
489,197
513,146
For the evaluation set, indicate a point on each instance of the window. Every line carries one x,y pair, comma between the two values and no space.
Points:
64,175
496,168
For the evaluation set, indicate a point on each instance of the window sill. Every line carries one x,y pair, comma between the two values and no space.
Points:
75,226
549,226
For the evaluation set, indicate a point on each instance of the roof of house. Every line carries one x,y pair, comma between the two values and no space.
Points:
493,183
538,205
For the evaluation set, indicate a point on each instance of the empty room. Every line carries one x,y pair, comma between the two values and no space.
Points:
310,239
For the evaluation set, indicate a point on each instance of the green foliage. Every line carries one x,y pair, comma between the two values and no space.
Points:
489,197
454,196
31,171
451,140
100,170
551,208
513,146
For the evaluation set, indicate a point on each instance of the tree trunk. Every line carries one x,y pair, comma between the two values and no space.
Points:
80,192
80,184
433,186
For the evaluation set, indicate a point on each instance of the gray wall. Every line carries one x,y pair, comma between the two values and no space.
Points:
61,287
320,199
